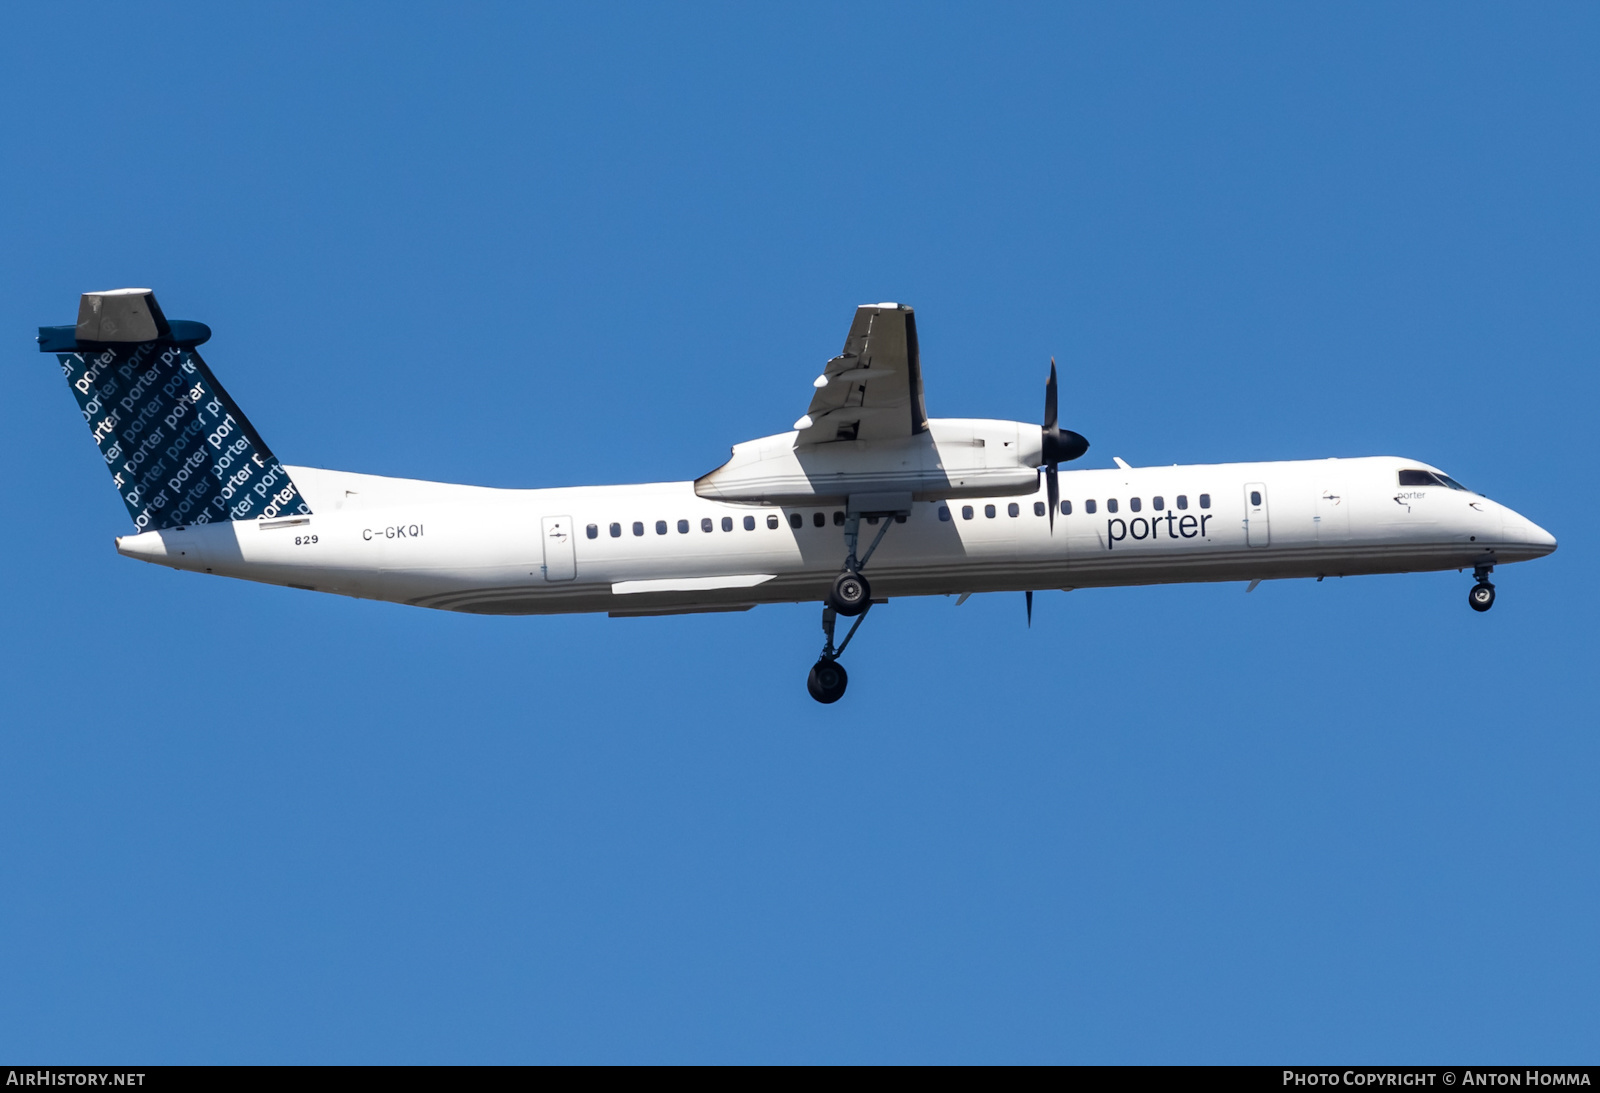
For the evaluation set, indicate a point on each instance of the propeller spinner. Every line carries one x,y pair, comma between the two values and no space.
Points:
1060,445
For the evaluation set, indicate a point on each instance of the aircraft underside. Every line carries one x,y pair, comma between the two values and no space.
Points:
955,580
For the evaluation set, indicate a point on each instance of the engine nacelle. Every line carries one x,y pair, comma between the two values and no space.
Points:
955,457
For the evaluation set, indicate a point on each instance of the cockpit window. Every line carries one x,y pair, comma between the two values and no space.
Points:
1430,478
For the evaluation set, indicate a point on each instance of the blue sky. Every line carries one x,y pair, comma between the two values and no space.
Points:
538,246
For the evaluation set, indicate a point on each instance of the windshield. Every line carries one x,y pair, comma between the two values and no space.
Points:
1430,478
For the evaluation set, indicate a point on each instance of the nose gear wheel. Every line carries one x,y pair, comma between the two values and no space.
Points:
1481,596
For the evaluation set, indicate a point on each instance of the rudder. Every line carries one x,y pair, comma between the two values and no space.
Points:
179,449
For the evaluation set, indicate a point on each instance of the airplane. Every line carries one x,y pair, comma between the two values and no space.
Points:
864,500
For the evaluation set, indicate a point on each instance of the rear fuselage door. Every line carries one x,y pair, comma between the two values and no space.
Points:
560,563
1257,528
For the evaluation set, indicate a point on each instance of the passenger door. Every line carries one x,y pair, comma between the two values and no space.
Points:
1257,527
560,561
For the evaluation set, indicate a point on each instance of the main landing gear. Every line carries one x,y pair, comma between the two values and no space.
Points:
850,596
828,679
851,593
1481,598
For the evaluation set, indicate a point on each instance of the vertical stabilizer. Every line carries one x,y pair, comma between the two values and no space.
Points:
179,450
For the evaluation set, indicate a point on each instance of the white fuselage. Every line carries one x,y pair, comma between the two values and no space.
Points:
496,551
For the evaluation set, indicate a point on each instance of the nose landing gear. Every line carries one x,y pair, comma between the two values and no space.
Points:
1481,597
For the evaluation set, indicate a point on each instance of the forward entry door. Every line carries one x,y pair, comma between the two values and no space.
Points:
560,563
1257,527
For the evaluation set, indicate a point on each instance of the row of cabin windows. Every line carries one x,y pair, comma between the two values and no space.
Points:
708,525
1135,504
818,519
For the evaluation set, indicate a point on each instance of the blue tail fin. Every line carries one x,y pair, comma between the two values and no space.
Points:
179,449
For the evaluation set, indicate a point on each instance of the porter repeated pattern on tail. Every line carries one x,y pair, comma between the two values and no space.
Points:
179,450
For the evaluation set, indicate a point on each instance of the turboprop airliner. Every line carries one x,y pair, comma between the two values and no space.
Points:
865,499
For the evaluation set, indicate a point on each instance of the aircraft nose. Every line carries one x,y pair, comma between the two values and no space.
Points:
1530,536
1540,538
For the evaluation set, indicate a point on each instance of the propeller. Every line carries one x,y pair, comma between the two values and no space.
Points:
1060,446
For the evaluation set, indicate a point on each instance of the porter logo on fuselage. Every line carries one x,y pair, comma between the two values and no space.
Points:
1184,526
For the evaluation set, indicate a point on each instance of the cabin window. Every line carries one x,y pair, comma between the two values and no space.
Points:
683,527
1089,506
616,531
592,531
1013,509
1134,504
1255,497
838,519
873,520
944,513
900,518
819,520
727,523
795,520
1038,508
1158,503
772,521
1183,500
661,527
988,510
750,523
1111,504
966,512
1066,508
706,525
638,527
1205,500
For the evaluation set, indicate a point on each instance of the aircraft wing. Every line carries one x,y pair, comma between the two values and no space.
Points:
873,389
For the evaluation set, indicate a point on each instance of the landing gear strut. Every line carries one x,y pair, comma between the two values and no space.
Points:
851,593
1481,598
850,596
828,678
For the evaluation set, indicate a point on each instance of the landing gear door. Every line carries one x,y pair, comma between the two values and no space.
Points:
1257,527
560,562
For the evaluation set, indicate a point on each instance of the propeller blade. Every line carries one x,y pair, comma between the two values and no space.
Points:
1029,595
1056,446
1050,399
